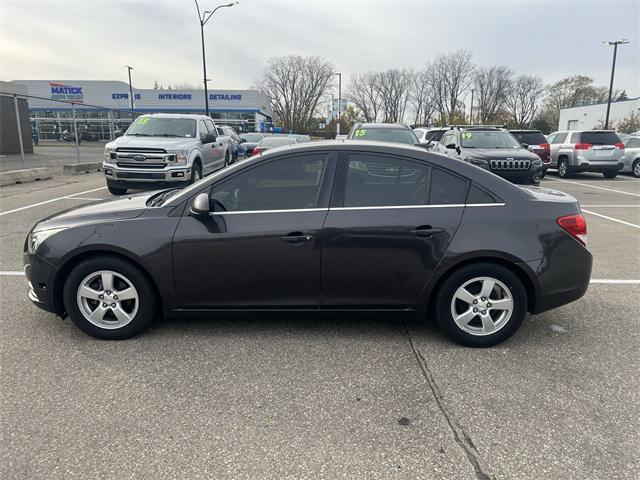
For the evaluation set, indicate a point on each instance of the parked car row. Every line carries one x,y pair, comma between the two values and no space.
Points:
254,142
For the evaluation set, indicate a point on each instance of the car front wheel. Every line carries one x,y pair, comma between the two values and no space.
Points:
109,298
481,305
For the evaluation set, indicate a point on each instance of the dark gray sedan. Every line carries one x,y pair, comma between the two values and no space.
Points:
330,226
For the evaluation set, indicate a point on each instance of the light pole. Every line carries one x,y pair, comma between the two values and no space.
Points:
471,110
129,68
204,18
613,70
339,101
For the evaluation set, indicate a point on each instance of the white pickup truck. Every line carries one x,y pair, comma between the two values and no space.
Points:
164,150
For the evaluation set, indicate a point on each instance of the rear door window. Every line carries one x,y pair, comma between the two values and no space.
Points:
477,195
575,138
599,138
559,138
446,188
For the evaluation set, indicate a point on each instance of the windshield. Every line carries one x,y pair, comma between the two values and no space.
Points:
434,135
488,139
530,138
163,127
396,135
251,137
276,142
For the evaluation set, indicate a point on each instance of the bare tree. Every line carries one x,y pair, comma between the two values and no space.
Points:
295,85
421,98
450,77
522,99
364,94
395,89
491,85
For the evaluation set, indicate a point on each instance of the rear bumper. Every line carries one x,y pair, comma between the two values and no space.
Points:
597,167
561,279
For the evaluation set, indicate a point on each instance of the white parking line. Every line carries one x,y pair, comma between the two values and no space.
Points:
86,198
612,281
594,186
611,218
49,201
612,206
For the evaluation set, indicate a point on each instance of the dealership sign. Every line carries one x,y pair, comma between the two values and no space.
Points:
60,91
225,96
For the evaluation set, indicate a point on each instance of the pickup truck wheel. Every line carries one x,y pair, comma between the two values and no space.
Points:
116,190
610,174
563,168
635,169
196,173
227,159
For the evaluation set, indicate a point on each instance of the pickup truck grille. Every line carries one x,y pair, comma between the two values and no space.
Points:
510,164
147,158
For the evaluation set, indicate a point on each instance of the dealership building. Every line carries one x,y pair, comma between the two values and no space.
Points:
105,106
588,117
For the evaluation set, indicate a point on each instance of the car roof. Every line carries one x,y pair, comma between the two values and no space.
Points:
177,115
383,125
523,130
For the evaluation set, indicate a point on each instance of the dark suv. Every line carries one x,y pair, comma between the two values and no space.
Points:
536,142
383,132
494,149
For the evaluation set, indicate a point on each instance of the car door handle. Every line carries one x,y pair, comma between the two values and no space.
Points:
296,237
426,231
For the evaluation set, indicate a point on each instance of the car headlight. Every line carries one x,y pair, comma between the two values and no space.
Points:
37,238
181,157
107,154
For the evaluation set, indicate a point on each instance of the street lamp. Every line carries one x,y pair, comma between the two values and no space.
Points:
471,109
339,101
129,68
204,18
613,70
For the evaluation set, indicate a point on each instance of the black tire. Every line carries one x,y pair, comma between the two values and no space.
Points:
535,178
635,168
116,190
146,298
227,159
610,174
563,168
457,279
196,173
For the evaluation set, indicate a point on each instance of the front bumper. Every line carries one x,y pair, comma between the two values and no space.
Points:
146,175
41,277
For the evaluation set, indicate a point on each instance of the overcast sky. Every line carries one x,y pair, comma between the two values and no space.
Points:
94,39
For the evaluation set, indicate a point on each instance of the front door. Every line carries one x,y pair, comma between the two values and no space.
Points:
389,225
260,246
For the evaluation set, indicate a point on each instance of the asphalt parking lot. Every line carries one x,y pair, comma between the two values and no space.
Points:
322,397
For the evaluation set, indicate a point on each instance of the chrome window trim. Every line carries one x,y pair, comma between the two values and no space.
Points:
384,207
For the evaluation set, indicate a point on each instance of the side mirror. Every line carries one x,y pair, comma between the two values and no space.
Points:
451,146
200,206
243,140
209,138
118,133
525,146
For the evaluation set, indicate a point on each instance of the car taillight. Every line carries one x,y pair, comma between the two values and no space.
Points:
583,146
575,225
545,146
619,146
257,150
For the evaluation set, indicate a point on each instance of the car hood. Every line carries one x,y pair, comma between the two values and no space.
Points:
500,153
124,208
168,143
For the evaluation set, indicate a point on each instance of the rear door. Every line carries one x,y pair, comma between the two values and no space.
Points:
217,152
390,222
555,144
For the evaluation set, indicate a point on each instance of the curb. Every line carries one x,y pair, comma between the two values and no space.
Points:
79,168
25,176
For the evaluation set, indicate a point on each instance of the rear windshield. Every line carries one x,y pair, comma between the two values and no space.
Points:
434,135
251,137
599,138
396,135
488,139
276,142
530,138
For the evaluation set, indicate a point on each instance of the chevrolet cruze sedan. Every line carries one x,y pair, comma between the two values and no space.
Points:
326,226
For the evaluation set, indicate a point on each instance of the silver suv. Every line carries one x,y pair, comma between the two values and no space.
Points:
586,151
164,149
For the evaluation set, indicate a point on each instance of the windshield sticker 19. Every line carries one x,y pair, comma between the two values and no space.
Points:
467,135
361,133
143,120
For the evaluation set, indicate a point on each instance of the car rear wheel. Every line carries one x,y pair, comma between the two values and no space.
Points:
481,305
227,159
610,174
635,169
109,298
563,168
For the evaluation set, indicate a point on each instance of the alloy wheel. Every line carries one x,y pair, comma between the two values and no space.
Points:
636,169
562,169
482,306
107,299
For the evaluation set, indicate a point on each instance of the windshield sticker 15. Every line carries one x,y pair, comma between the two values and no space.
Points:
143,120
361,133
467,135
